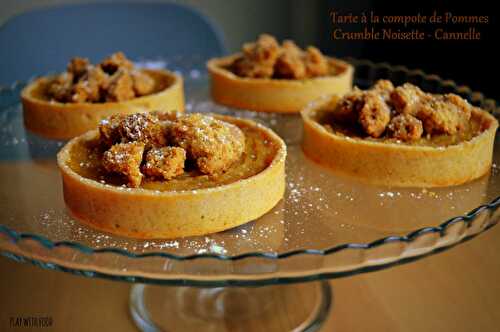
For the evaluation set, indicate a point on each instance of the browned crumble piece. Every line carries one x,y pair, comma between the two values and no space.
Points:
264,51
436,118
167,120
266,59
143,83
289,64
142,127
121,87
258,58
168,117
405,127
247,68
414,112
116,61
407,98
109,130
80,92
99,82
78,67
131,140
316,64
114,80
464,109
384,88
167,162
214,145
125,159
348,107
60,87
90,85
138,127
289,46
374,114
442,115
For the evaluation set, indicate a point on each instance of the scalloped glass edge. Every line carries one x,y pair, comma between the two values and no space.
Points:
235,282
474,97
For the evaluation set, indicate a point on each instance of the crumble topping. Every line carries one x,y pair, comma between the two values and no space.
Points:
158,145
374,114
120,86
214,144
406,98
143,84
290,64
405,127
384,88
61,86
142,127
446,114
165,163
138,127
266,58
316,63
116,61
258,58
114,79
125,158
405,112
78,67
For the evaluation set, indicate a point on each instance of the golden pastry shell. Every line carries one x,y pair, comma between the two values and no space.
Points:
397,164
143,213
274,95
57,120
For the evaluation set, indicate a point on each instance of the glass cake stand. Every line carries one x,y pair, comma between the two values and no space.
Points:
326,227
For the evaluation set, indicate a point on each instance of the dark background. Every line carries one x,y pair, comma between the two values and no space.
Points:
473,63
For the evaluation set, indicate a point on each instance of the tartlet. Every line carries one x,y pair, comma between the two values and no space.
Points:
55,119
186,205
429,160
264,90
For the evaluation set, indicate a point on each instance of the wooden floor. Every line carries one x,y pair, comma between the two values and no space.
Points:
458,290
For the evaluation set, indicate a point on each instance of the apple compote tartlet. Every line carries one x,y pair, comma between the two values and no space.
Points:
167,175
72,103
400,136
270,77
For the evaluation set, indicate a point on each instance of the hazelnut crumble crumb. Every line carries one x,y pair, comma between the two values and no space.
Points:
404,112
214,144
405,127
266,58
159,144
166,162
125,159
113,80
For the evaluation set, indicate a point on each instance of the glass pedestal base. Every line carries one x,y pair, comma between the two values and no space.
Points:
294,307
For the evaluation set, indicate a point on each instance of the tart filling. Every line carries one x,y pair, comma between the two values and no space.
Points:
267,59
400,136
165,175
74,102
114,79
268,76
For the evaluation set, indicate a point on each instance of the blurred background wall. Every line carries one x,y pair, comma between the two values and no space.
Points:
472,63
241,20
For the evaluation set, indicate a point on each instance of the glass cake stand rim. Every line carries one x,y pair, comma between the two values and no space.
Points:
15,237
409,237
234,281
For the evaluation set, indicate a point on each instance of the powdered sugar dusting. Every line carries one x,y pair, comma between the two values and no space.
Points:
320,209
